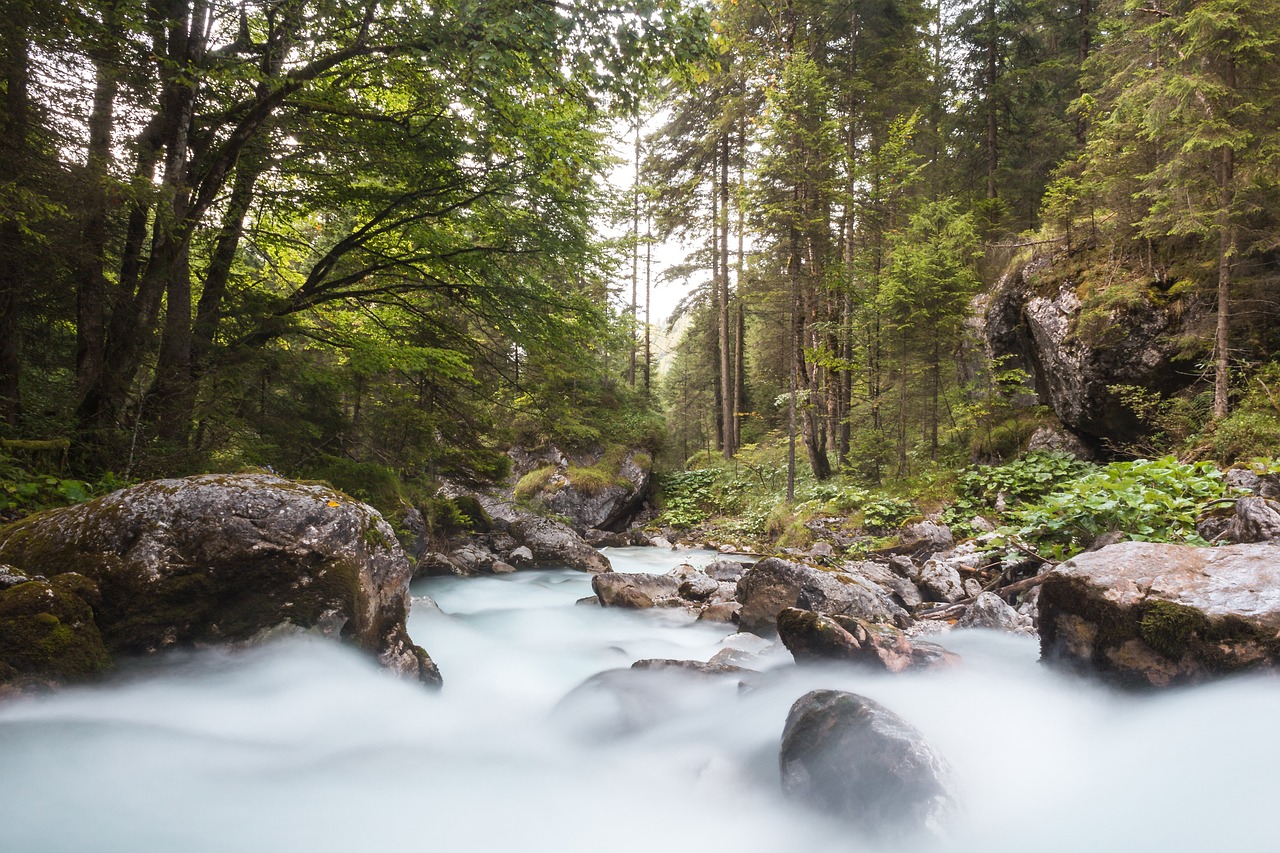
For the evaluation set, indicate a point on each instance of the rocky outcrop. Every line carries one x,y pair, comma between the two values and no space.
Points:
214,559
1078,353
853,758
812,637
772,585
552,542
601,488
1158,615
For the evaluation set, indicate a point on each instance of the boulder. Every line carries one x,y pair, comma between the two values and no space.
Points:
939,581
520,556
606,538
1049,439
813,637
772,585
47,632
219,558
608,497
472,559
698,587
922,539
635,590
501,568
721,611
903,591
852,758
1255,520
552,542
1149,614
990,611
727,570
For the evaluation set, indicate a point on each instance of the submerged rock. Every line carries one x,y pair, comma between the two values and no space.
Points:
812,637
853,758
218,558
1157,615
772,585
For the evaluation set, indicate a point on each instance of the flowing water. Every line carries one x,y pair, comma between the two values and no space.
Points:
304,745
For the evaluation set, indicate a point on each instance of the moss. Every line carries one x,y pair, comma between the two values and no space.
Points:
534,482
1169,628
375,538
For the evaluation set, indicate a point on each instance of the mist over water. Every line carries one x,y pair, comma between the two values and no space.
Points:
304,745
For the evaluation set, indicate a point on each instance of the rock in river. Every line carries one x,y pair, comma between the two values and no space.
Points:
853,758
773,584
1147,614
811,636
213,559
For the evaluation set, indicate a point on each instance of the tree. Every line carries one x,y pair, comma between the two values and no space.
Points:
1194,84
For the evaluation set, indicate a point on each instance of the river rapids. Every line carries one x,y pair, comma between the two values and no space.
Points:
301,744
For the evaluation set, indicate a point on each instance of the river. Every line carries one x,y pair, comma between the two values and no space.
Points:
303,745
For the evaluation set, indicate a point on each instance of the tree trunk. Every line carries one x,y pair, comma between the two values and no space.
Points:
14,161
722,301
91,282
133,322
1226,257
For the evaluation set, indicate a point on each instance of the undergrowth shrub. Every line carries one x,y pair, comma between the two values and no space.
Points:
1147,500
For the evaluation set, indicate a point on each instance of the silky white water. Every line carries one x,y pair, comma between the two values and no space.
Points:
304,745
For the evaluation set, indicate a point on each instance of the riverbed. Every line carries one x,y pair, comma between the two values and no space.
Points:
543,740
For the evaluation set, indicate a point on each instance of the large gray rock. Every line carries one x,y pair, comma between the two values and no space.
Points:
552,542
1255,520
923,539
220,558
812,637
1159,615
1077,357
636,590
940,581
853,758
772,585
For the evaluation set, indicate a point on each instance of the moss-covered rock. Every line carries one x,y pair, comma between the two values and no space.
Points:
223,558
1147,614
47,632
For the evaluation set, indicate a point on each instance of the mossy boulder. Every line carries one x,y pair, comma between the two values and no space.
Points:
1147,614
222,558
599,488
47,632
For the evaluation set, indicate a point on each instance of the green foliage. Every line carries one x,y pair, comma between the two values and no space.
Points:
1146,500
1022,481
1244,434
686,497
23,491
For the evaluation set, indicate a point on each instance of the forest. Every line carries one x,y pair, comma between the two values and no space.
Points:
372,242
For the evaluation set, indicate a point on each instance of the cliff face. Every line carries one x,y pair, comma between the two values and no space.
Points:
1079,342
